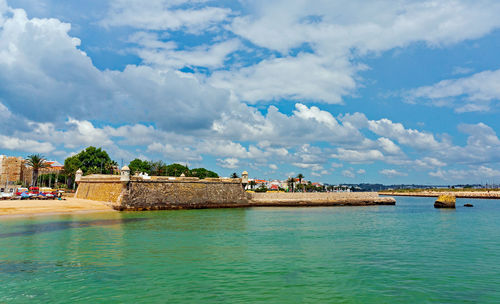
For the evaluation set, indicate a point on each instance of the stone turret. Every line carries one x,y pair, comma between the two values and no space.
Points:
125,174
244,179
78,175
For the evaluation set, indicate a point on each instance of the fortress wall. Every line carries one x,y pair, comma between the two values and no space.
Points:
161,192
104,188
183,193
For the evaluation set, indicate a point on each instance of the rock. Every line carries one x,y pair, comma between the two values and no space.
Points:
468,205
445,201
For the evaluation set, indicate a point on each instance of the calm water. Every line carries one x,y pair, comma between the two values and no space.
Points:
405,253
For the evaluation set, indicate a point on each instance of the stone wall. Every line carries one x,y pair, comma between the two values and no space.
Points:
319,199
104,188
157,193
183,193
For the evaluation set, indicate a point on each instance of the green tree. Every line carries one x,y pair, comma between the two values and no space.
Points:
91,160
177,170
300,176
252,184
202,173
36,162
139,165
234,175
291,183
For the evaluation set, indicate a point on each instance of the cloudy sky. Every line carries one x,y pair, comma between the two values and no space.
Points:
340,91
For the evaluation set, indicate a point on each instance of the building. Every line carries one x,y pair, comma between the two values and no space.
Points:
13,170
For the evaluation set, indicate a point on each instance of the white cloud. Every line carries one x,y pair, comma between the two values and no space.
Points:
355,156
348,173
27,145
468,94
392,173
474,174
163,15
410,137
229,163
273,167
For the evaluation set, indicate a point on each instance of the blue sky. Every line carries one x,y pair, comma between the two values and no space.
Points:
340,91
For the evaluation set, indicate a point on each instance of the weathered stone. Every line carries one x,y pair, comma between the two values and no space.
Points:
468,205
445,201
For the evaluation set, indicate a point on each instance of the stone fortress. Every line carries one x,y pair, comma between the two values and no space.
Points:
136,193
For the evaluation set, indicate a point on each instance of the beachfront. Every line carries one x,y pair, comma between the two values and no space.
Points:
44,207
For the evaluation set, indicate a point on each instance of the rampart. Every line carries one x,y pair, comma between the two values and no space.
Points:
158,193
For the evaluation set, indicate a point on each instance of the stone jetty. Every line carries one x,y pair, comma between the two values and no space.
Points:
458,194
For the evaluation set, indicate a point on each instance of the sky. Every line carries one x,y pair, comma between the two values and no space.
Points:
341,91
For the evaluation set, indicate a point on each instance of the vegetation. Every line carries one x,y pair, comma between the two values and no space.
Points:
203,173
36,162
91,161
291,183
234,175
262,188
159,168
252,184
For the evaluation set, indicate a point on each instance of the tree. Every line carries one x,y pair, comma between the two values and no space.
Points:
36,162
291,182
300,176
202,173
252,184
139,165
234,175
92,160
177,170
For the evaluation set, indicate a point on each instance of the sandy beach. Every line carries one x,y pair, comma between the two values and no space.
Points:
39,207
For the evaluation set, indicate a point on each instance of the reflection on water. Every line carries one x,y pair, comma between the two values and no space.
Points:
34,228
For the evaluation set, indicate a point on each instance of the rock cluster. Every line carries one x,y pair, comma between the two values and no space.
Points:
445,201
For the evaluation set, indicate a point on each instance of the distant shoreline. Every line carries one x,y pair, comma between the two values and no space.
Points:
457,194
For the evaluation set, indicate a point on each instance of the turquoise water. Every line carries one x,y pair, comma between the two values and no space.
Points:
388,254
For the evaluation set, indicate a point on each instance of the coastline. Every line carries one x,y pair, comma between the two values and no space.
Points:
457,194
9,208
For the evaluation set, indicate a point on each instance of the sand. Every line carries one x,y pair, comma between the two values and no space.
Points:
70,205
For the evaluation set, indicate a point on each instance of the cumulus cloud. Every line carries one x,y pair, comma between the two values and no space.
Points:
163,15
468,94
25,145
357,156
392,173
40,64
228,163
473,174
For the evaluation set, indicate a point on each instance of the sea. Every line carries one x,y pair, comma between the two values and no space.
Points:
407,253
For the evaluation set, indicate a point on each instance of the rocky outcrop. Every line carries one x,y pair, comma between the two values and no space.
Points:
445,201
468,205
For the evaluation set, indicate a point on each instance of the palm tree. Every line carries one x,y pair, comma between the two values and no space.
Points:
300,176
291,182
252,184
36,162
